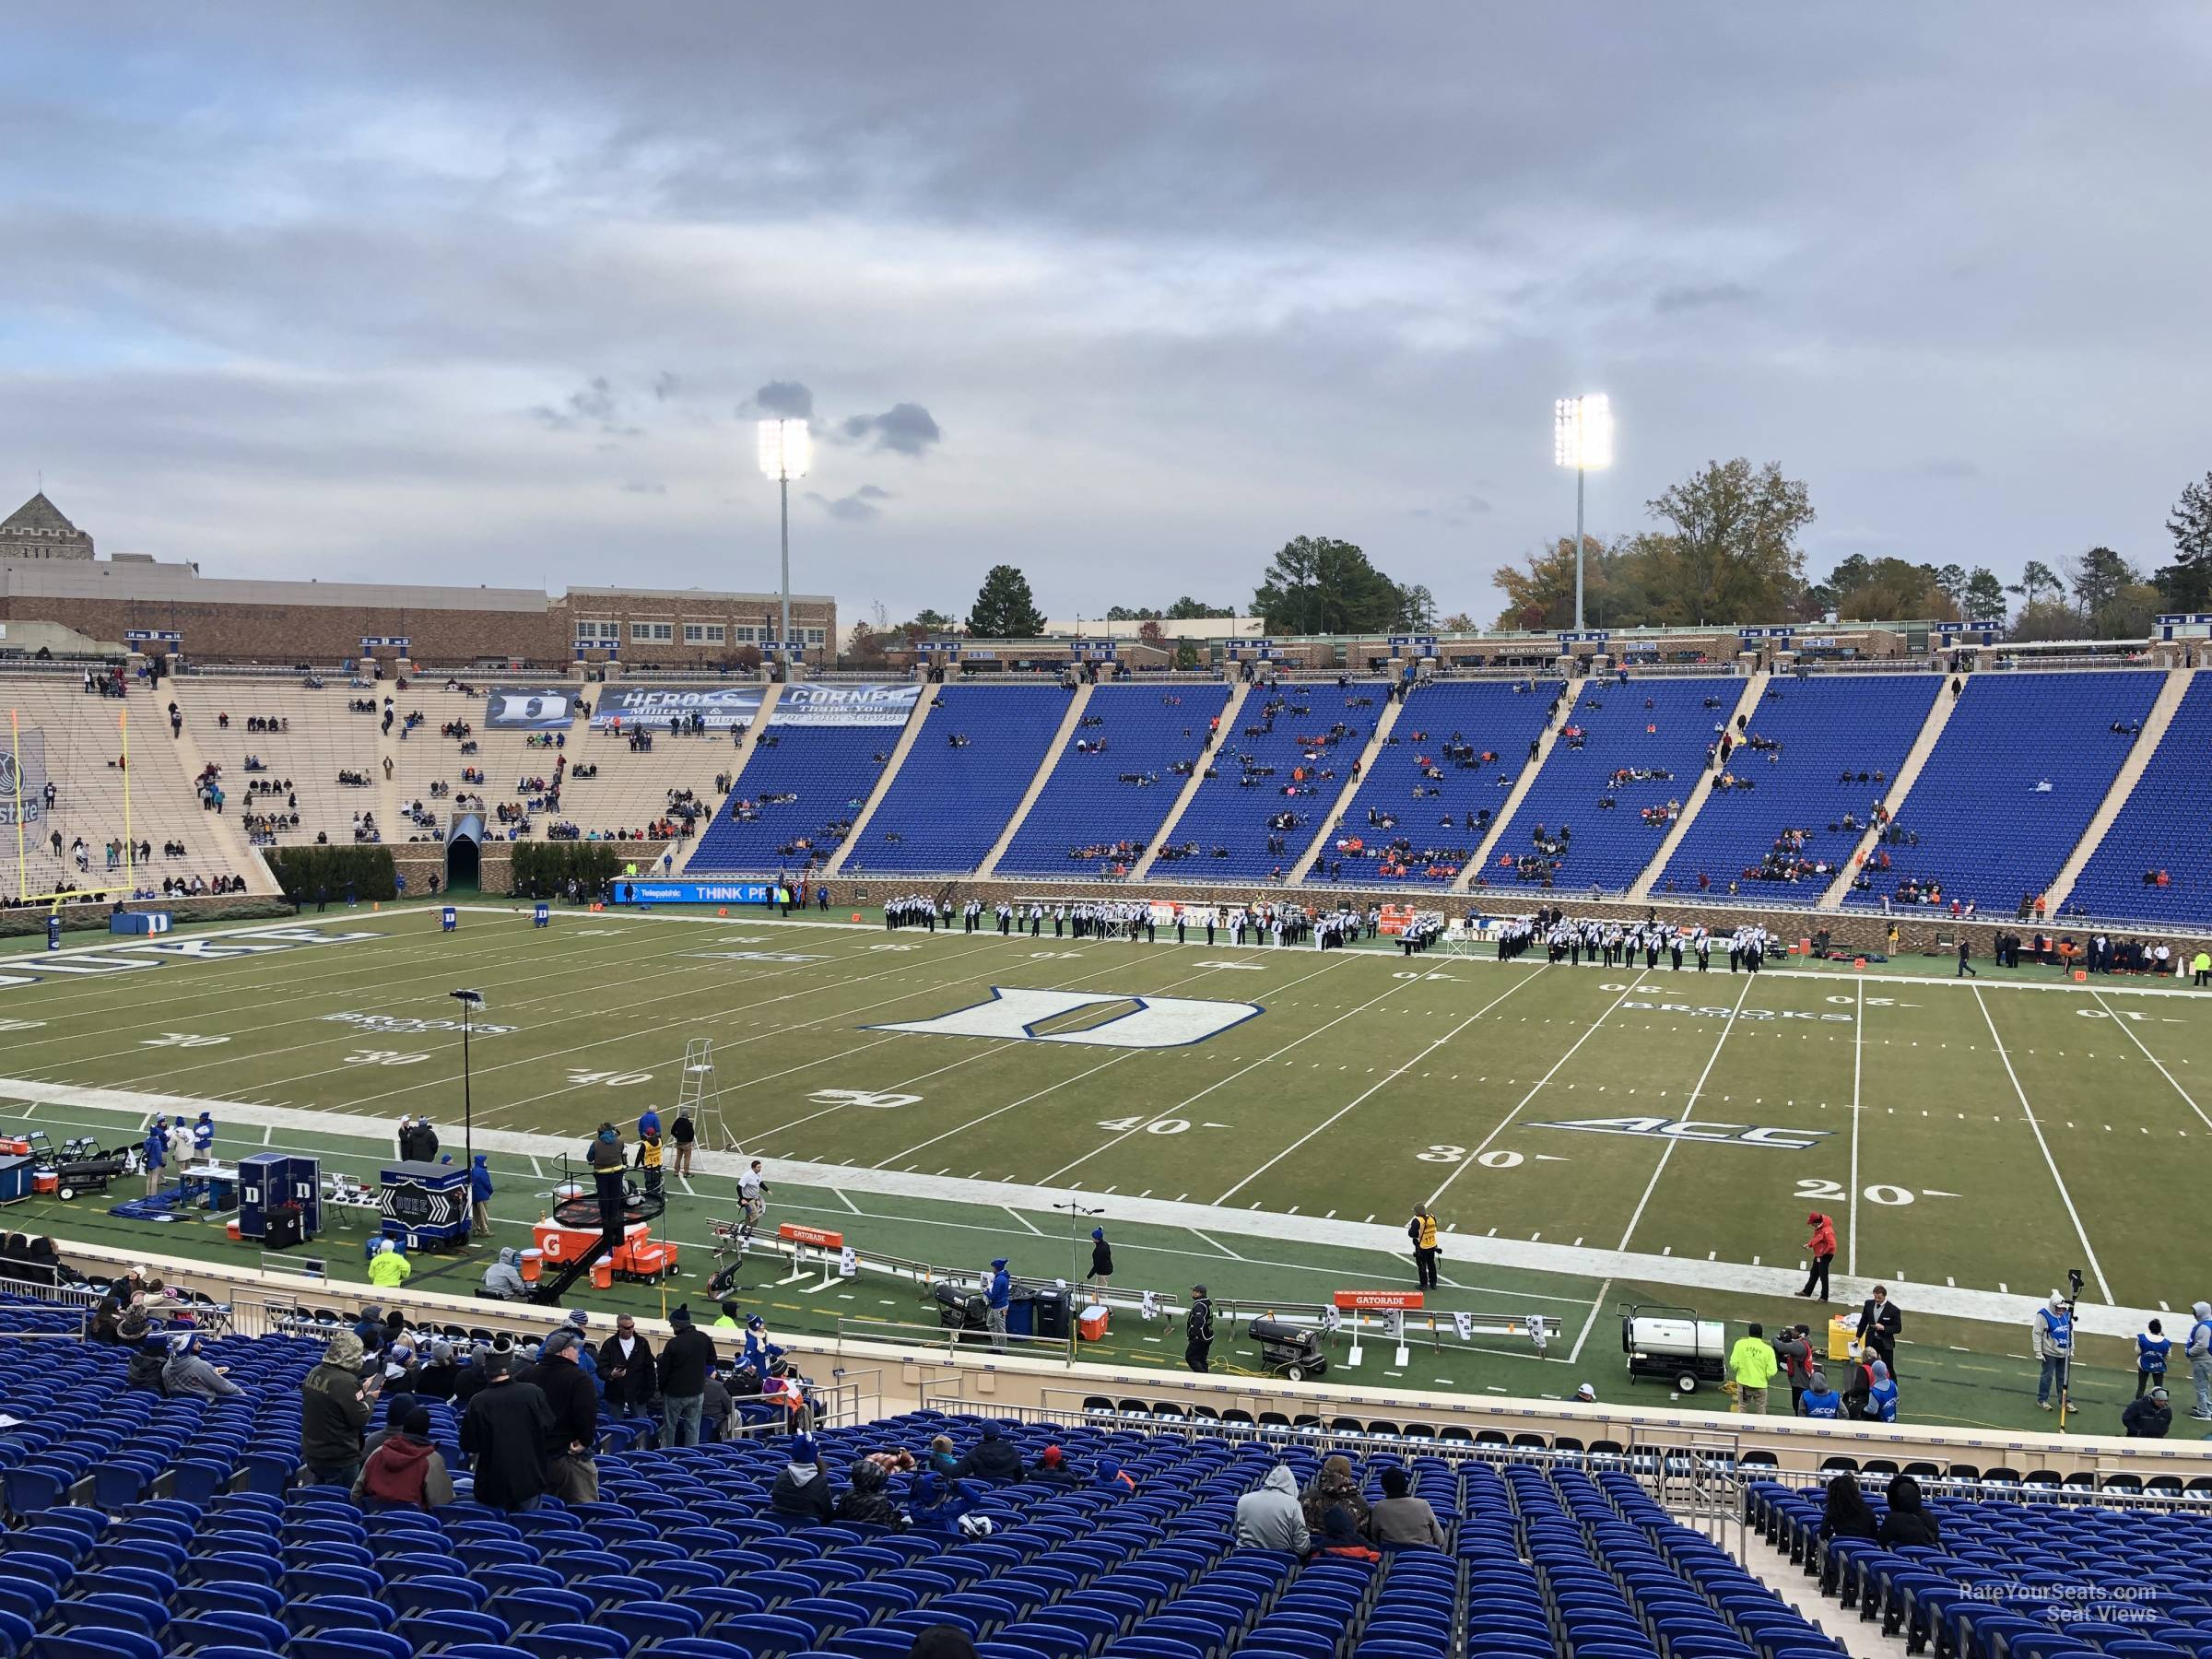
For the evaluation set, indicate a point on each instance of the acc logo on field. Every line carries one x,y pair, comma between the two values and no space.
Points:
1152,1022
1736,1135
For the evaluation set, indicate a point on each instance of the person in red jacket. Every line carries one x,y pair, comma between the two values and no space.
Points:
1822,1248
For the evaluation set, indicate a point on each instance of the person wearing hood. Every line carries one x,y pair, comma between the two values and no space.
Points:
1112,1478
1402,1520
155,1153
1821,1399
2149,1417
760,1356
869,1501
503,1278
802,1489
1907,1525
939,1502
942,1458
2198,1351
1340,1539
1268,1517
202,1135
435,1378
370,1329
389,1268
1881,1394
993,1459
2051,1335
480,1196
998,1296
1334,1484
1101,1259
405,1471
335,1404
149,1356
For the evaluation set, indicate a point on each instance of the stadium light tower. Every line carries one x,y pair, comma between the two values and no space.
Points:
786,451
1582,436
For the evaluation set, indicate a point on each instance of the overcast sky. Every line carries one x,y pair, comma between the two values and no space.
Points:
1123,295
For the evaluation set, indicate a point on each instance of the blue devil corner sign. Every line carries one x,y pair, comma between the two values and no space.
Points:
1013,1015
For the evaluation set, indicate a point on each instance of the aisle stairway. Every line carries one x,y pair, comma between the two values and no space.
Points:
2155,726
1746,706
1569,696
1166,833
1375,740
1931,731
1068,722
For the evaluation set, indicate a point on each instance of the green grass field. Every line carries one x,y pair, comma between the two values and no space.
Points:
1262,1118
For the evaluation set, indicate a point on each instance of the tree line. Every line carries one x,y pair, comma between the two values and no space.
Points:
1723,547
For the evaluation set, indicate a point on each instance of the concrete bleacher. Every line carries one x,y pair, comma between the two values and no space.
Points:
1091,819
1292,751
1825,726
1432,769
324,738
82,743
2160,827
946,808
1988,834
827,772
1663,725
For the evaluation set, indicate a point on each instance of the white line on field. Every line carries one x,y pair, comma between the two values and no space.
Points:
2065,1197
1023,1219
840,1195
1391,1076
1688,1110
1858,1048
2120,1021
1575,1352
1217,1243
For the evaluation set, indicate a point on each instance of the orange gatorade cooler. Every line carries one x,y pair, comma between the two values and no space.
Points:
1092,1324
533,1263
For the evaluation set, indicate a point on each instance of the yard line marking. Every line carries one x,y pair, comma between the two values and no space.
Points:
1858,1050
685,1182
268,1135
1688,1110
1023,1219
1575,1352
2065,1197
1468,1163
1009,1106
1217,1243
536,1169
2122,1022
1382,1083
839,1194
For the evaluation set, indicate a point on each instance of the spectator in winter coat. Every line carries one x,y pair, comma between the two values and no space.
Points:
480,1196
396,1408
503,1280
1847,1513
1268,1517
1907,1523
1795,1350
335,1404
1820,1400
802,1488
943,1460
406,1471
1335,1486
436,1379
940,1502
1052,1469
503,1434
686,1358
993,1459
868,1503
626,1370
2147,1419
1401,1520
571,1471
150,1358
1101,1259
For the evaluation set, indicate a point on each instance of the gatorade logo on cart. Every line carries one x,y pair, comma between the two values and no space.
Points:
792,1232
1378,1301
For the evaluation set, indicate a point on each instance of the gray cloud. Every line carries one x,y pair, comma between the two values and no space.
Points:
790,399
906,427
639,487
592,406
1694,297
856,508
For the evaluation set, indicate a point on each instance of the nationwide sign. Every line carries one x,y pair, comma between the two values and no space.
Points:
722,707
528,709
865,705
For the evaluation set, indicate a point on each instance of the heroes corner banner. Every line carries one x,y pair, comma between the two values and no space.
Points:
818,704
721,707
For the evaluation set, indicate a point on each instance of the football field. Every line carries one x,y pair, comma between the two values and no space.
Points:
1586,1135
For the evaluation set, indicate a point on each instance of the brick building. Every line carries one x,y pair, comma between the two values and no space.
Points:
221,619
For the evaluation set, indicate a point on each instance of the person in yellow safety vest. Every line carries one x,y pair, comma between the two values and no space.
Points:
1751,1366
649,1161
2202,968
1421,1230
389,1267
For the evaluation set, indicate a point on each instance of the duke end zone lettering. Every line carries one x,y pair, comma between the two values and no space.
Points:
790,1232
1403,1301
120,959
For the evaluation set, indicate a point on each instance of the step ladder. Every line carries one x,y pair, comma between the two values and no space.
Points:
699,1096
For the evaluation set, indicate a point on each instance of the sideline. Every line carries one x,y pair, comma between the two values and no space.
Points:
1940,1301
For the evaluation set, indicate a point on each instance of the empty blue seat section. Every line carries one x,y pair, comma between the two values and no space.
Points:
967,772
1798,771
1439,779
1589,786
799,794
1102,806
1253,813
2162,828
1980,826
